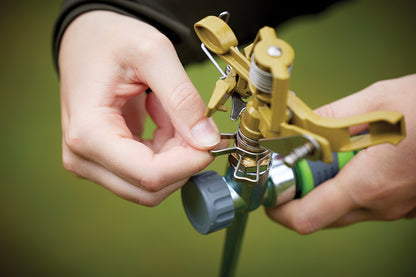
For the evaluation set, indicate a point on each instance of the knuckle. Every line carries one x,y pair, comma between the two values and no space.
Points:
152,183
374,191
381,85
151,201
146,200
153,44
72,138
396,213
184,97
326,111
70,164
381,91
303,225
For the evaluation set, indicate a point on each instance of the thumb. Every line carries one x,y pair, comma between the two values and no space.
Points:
166,77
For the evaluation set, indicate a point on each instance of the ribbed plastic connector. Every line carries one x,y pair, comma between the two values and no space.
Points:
208,202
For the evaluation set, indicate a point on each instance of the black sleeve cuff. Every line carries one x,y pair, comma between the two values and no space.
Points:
180,35
175,19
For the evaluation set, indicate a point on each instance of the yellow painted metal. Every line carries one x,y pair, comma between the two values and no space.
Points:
222,90
384,127
220,39
251,119
279,67
279,113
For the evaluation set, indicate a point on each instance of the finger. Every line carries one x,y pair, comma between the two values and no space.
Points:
103,139
320,208
367,214
164,128
365,101
134,113
375,97
355,216
100,175
157,113
176,92
411,214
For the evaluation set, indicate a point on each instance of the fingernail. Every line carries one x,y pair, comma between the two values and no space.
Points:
206,133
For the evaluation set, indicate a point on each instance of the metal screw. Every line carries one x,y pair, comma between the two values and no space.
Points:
298,154
274,51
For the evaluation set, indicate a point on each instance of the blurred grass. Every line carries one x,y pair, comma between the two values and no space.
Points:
53,224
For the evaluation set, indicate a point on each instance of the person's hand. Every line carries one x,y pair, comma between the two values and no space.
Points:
379,183
107,61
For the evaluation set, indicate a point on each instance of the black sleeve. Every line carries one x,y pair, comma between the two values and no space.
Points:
175,18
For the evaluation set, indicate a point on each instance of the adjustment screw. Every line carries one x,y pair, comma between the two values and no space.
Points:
274,51
298,154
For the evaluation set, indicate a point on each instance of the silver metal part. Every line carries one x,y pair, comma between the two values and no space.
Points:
261,79
238,202
274,51
251,149
244,148
211,58
251,195
236,149
238,106
299,153
225,15
282,187
247,143
294,147
228,69
241,176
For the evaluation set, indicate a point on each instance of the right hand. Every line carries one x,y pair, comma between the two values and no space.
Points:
106,62
379,183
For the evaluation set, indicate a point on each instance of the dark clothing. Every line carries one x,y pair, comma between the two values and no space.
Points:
175,18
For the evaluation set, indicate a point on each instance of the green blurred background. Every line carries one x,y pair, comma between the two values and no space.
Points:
53,224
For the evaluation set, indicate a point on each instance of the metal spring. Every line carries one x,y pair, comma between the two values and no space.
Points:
260,78
248,144
228,69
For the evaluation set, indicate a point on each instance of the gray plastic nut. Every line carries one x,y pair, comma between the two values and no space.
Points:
208,202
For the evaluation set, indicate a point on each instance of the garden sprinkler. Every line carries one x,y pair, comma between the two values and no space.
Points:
281,150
